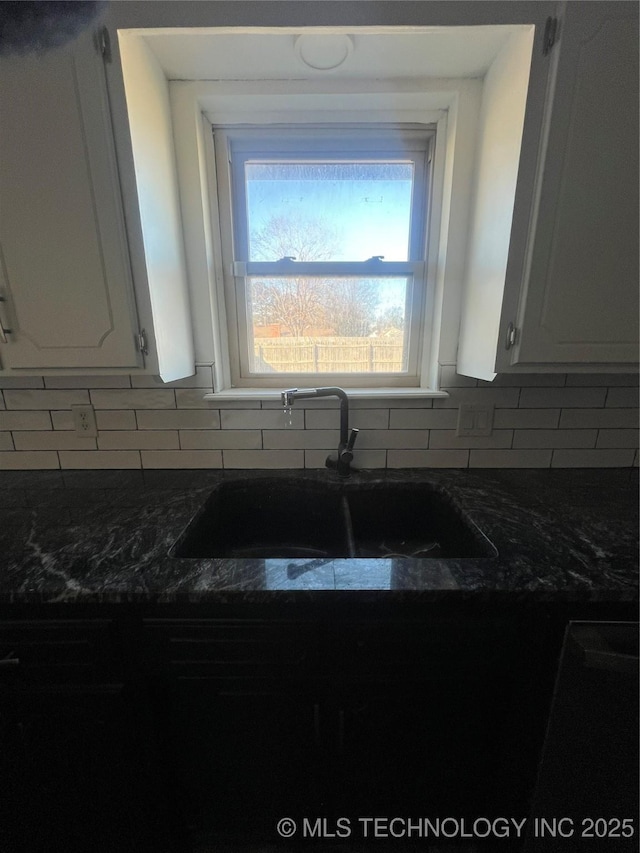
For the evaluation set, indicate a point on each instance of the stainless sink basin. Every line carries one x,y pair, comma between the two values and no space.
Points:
293,517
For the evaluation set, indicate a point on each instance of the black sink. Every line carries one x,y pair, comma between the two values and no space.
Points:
294,517
412,520
264,517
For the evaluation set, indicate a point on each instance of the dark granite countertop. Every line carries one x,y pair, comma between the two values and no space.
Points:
104,536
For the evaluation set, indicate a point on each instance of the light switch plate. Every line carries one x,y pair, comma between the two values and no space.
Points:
474,419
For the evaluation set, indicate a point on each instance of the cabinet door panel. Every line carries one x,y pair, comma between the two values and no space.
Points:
72,776
63,265
582,301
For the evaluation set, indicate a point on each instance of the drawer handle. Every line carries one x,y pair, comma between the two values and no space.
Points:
9,662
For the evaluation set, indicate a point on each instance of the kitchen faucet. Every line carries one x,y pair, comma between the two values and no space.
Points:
341,461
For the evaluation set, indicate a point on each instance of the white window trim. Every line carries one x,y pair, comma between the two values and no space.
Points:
317,141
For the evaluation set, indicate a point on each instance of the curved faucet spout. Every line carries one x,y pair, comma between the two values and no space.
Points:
341,462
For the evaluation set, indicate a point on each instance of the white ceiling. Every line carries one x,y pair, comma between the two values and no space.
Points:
270,53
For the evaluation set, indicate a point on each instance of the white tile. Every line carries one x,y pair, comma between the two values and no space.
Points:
354,403
63,419
526,418
220,439
2,405
193,398
606,418
393,438
73,459
361,458
87,382
21,382
594,379
53,440
618,438
525,380
555,438
181,458
394,402
229,404
360,418
510,458
178,419
139,439
263,458
202,378
447,439
260,419
5,441
503,398
449,378
44,399
592,458
134,399
302,438
623,397
116,419
427,458
29,460
25,420
423,418
547,398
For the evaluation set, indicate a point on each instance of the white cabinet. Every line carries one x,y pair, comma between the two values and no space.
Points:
65,278
570,301
67,299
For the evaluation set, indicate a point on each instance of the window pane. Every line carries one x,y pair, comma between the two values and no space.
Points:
329,211
313,324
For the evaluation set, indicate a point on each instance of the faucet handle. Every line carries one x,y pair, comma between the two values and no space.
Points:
346,454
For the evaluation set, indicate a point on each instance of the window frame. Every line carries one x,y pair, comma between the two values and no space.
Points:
233,145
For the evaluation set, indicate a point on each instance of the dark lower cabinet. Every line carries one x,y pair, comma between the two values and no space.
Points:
164,735
74,774
242,761
264,720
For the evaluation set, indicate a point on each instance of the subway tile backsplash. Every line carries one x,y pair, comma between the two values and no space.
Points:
540,421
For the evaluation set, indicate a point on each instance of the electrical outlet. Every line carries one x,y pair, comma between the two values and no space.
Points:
84,420
474,419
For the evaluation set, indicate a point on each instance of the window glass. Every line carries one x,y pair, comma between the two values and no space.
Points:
323,324
329,211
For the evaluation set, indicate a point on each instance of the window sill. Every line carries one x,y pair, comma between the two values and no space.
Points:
353,393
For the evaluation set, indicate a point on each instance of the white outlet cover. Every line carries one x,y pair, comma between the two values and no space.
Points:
84,420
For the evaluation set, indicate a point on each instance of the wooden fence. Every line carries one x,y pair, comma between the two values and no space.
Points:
328,355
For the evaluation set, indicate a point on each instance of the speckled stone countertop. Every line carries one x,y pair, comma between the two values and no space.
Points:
104,536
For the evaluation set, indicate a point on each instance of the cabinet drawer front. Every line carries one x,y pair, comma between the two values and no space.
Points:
56,652
240,650
436,647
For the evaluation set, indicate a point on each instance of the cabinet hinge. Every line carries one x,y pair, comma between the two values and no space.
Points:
142,342
104,44
550,35
511,336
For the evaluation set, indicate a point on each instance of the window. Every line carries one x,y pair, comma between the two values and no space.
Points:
324,250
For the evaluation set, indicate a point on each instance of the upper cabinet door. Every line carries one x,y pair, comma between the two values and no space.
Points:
64,268
581,303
